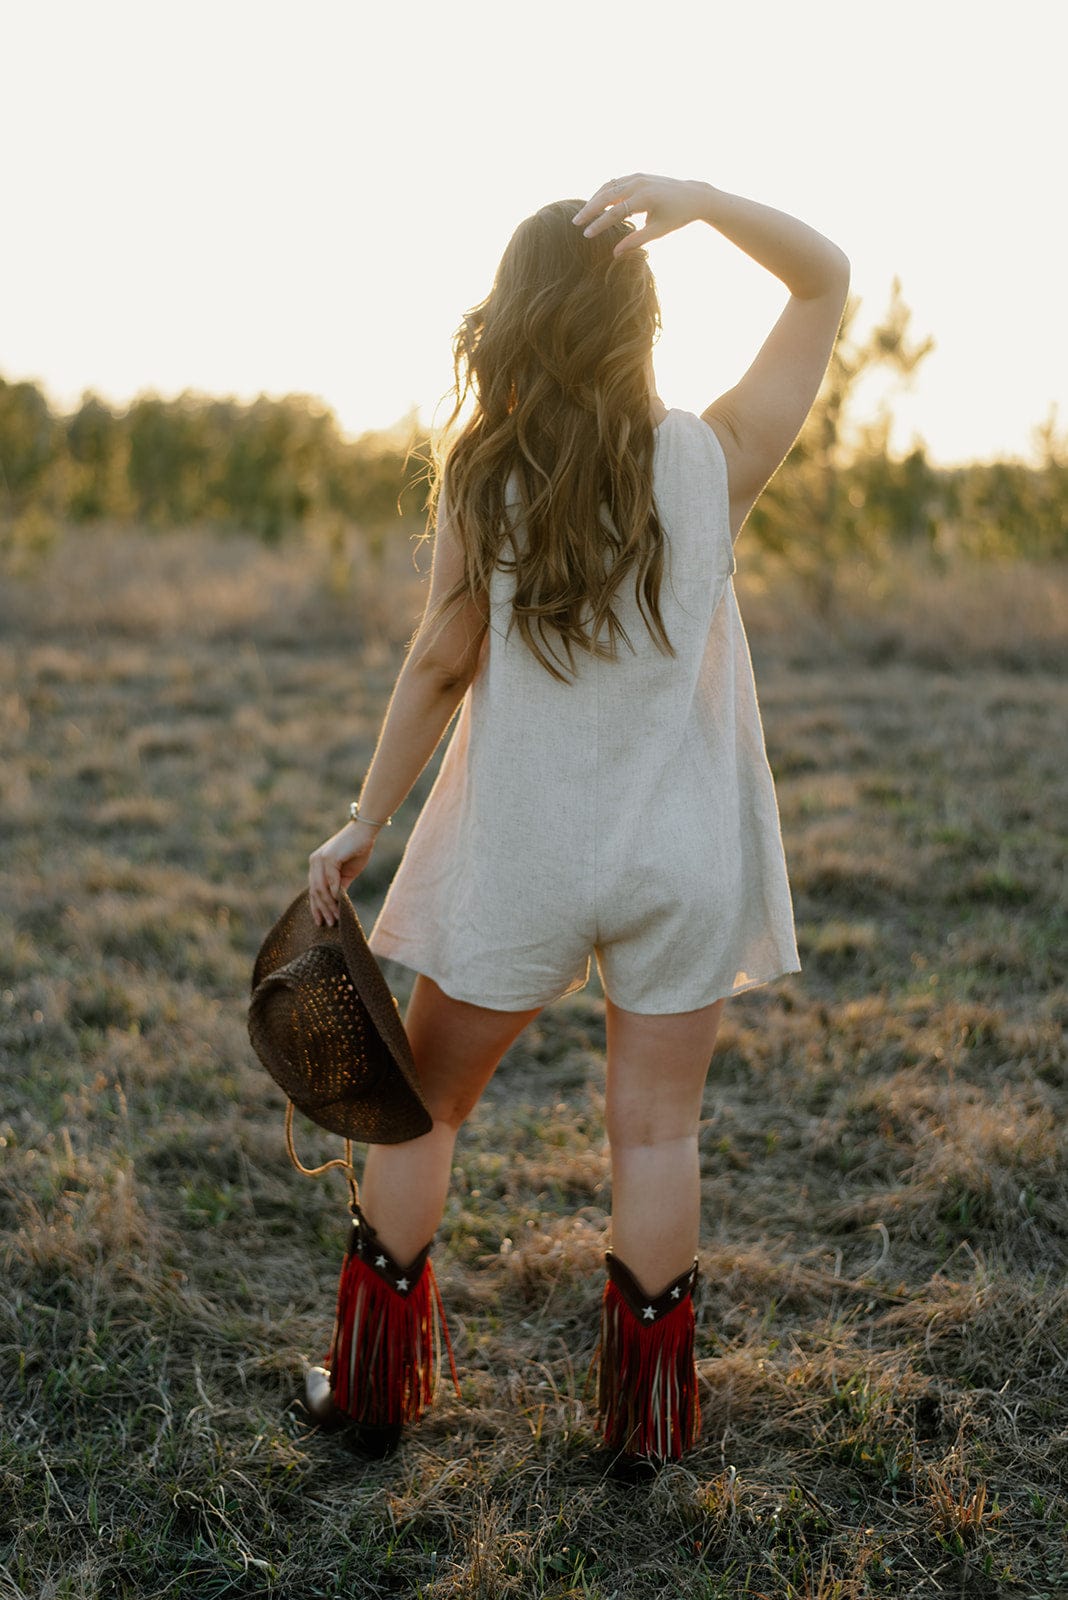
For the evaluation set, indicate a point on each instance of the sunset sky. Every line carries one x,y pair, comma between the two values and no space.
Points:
238,197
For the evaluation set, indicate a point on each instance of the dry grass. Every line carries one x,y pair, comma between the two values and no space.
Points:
884,1307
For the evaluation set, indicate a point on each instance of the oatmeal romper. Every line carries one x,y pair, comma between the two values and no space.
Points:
630,813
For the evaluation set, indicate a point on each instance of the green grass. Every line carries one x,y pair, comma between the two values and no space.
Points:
884,1300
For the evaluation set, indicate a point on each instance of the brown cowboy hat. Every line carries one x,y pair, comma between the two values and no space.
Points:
324,1024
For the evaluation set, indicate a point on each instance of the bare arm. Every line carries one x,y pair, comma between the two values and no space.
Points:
758,420
441,662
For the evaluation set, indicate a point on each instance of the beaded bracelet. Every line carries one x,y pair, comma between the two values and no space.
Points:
354,813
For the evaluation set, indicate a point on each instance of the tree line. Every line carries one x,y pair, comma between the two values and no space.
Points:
275,466
267,466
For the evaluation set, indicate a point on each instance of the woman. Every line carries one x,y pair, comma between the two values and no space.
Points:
606,789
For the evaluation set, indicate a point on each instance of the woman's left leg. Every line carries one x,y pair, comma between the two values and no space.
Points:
380,1369
457,1047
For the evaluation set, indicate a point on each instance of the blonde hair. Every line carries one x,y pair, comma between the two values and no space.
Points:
557,357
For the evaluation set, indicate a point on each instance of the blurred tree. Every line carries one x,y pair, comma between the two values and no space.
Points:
1001,509
807,513
277,462
170,449
375,482
275,465
1050,515
30,442
892,499
99,451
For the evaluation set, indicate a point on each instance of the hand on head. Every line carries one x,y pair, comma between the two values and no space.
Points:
667,203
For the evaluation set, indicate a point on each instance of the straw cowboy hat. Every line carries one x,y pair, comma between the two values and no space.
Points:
323,1022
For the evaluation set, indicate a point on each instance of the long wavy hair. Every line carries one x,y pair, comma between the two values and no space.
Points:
560,443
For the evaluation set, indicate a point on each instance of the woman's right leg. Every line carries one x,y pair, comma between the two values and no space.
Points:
648,1410
657,1066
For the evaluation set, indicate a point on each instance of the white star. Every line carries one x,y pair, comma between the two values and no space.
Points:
675,1292
402,1284
380,1261
649,1314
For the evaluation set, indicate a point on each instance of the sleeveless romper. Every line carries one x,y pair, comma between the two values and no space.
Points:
629,813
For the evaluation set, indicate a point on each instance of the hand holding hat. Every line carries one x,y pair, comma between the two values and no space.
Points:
336,863
326,1027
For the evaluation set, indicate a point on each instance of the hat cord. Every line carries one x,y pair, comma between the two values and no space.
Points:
312,1172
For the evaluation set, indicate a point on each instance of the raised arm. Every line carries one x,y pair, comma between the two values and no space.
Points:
757,420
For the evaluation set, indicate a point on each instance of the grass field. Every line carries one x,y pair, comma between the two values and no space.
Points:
883,1313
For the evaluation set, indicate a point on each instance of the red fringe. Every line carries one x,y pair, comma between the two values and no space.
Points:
647,1382
384,1351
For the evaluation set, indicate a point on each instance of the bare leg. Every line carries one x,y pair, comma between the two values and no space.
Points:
657,1067
457,1047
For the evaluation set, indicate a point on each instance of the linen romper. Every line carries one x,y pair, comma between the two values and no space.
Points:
629,813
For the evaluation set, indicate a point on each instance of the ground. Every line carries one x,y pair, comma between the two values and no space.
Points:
883,1305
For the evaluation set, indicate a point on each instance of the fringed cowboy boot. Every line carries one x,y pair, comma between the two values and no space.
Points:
647,1404
381,1368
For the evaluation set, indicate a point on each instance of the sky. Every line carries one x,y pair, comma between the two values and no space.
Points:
245,196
